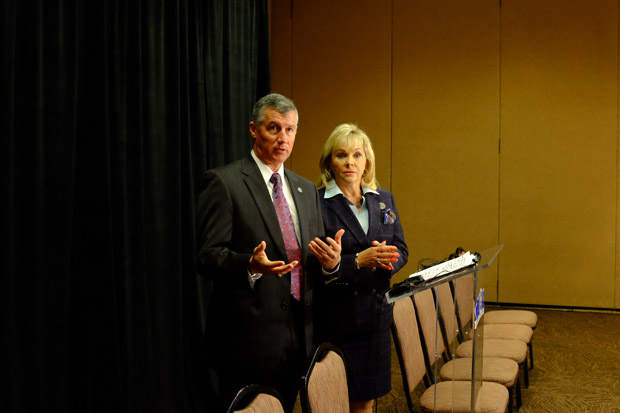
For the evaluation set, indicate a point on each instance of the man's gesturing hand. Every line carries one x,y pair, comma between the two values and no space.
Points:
259,263
328,253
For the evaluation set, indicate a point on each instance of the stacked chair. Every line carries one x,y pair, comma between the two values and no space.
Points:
493,347
325,387
256,399
502,367
515,324
446,396
437,322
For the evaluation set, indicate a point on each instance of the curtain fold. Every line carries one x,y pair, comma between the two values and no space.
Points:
112,110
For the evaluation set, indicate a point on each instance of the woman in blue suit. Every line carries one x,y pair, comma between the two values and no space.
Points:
353,313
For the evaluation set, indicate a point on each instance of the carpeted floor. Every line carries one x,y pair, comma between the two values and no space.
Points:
576,366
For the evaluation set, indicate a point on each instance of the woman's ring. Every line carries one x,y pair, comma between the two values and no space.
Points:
378,262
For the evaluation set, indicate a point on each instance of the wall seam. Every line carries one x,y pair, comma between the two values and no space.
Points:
392,98
499,137
617,137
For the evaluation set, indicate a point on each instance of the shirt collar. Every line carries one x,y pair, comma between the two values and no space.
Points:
331,190
266,171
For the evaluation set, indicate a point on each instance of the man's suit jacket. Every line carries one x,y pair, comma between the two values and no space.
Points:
235,213
354,302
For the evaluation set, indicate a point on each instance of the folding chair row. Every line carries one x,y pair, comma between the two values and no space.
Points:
501,341
498,323
512,346
441,396
501,359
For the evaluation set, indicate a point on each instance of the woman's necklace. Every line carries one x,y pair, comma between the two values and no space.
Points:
357,204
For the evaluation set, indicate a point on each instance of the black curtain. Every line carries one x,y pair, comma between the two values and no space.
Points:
111,111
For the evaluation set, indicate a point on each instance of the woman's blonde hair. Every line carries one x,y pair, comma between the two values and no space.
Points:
347,134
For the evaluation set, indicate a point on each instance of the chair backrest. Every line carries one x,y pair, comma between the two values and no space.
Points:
325,385
464,294
256,399
431,334
447,313
408,345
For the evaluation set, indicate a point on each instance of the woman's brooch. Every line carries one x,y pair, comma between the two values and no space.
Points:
389,217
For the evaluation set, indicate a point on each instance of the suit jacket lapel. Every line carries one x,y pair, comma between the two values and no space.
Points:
340,205
258,190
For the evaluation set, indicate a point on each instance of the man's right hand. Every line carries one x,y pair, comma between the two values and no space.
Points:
260,263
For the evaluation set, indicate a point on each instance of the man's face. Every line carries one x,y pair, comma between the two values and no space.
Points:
274,138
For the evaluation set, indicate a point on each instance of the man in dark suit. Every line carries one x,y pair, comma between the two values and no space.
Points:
259,228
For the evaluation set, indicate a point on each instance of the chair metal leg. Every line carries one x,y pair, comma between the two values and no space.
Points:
531,351
427,381
518,389
526,378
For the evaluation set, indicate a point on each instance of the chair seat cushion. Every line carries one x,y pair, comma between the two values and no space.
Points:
456,397
529,318
496,347
510,331
497,370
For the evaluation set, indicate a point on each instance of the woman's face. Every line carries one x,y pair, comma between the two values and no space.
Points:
348,163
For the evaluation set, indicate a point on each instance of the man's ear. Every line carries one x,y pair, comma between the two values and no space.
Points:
253,129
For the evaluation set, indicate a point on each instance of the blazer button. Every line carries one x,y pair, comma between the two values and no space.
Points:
373,291
355,294
284,306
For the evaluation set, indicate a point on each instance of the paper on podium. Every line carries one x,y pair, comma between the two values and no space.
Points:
446,267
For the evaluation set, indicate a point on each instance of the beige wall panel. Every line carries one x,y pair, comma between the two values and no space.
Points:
558,161
341,60
446,127
280,35
617,282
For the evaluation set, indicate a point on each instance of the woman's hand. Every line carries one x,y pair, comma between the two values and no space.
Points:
379,255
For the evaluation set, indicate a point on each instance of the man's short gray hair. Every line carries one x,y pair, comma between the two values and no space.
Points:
274,101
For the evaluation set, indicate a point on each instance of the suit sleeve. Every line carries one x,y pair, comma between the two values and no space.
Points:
399,241
215,230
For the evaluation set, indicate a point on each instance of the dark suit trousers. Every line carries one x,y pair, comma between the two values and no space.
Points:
288,382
